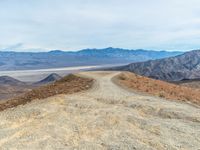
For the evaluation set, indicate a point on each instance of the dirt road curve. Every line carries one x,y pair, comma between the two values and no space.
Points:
105,117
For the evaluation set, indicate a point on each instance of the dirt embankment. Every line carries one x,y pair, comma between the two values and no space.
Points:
159,88
67,85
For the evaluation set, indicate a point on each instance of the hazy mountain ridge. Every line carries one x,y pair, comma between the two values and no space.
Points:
184,66
56,58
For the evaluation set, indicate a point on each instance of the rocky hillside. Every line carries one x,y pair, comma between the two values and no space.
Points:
182,67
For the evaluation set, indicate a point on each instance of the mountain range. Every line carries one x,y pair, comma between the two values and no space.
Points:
182,67
28,60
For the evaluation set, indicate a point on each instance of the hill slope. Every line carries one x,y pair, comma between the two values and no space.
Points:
66,85
159,88
185,66
10,87
49,79
105,117
6,80
56,58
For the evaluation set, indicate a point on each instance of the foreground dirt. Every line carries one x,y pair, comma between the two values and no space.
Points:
104,117
159,88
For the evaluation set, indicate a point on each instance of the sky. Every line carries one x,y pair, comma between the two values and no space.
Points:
42,25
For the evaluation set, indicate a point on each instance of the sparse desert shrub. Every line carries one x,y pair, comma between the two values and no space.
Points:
161,94
122,77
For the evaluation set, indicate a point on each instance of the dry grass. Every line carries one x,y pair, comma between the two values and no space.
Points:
159,88
67,85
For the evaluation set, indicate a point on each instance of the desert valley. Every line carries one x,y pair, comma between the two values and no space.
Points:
99,75
104,108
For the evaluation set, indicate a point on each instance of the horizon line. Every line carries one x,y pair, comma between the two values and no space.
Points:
40,50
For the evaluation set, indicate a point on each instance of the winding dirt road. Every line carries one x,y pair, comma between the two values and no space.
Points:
105,117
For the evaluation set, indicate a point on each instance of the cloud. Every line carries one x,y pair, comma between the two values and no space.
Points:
70,25
13,47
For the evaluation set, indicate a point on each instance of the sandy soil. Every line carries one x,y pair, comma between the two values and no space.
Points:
104,117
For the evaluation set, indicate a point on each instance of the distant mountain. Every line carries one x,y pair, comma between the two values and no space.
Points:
126,55
182,67
10,87
51,78
53,59
6,80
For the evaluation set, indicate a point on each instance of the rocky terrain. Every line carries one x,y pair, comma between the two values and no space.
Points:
182,67
104,117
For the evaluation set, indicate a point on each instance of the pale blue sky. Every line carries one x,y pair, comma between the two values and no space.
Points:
77,24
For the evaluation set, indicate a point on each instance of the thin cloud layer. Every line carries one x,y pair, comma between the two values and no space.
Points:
72,25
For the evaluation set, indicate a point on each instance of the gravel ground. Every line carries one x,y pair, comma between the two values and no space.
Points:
104,117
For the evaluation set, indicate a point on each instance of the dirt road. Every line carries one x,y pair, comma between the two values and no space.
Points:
105,117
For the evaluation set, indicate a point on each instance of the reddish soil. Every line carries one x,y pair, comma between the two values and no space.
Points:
159,88
67,85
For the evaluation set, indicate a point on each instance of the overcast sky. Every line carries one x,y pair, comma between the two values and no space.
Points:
77,24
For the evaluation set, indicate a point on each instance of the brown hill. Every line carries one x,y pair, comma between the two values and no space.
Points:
67,85
159,88
10,87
